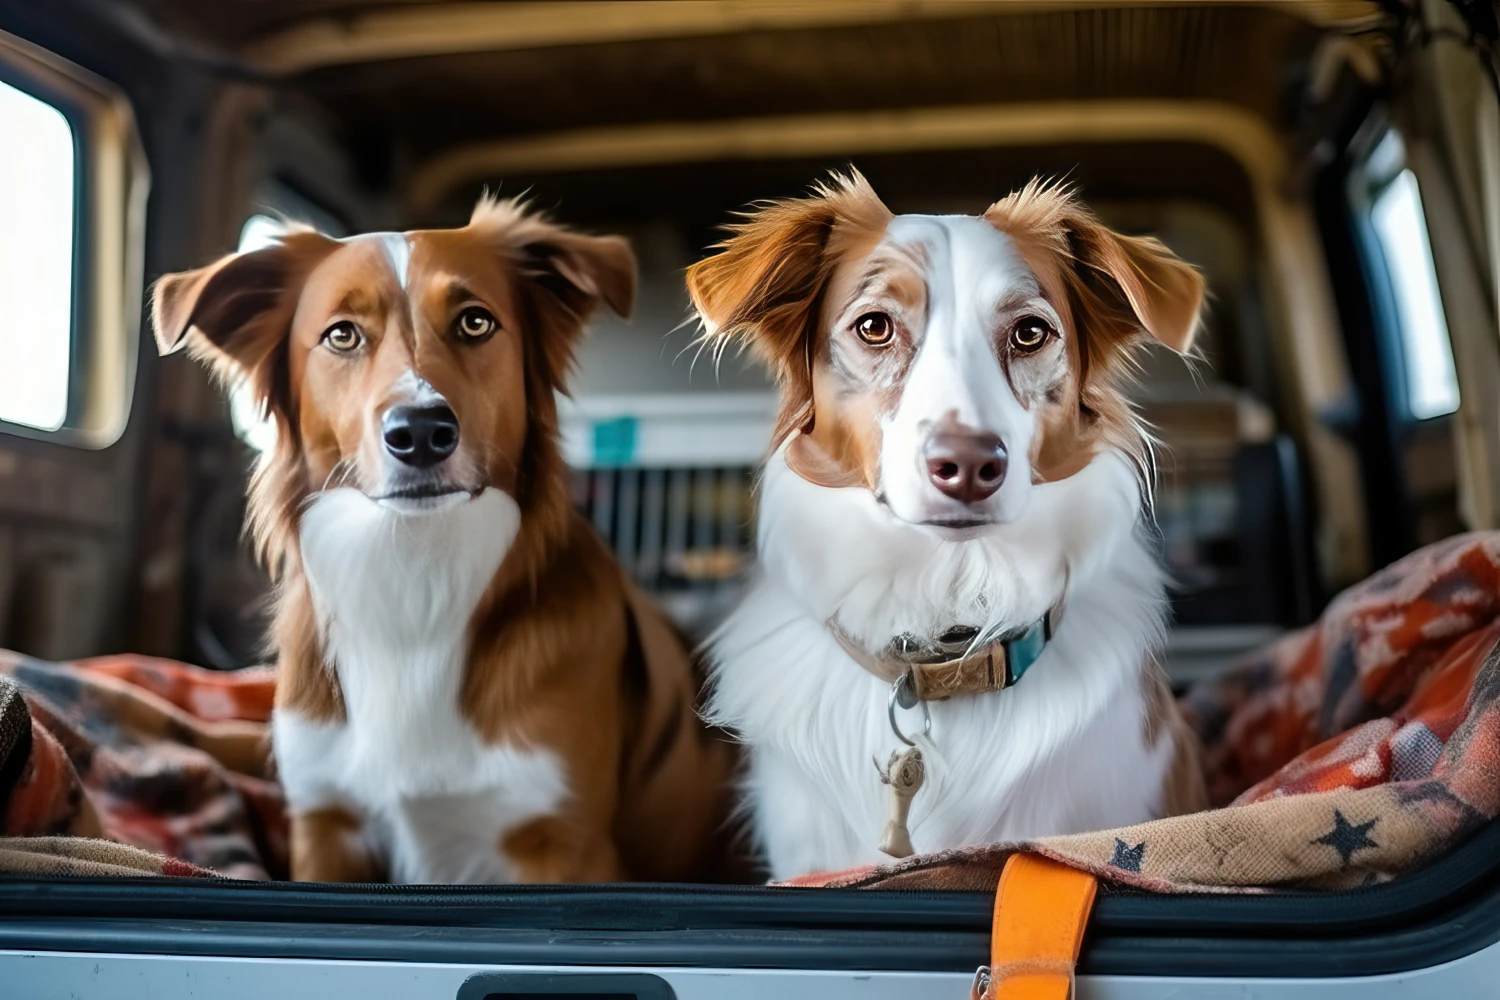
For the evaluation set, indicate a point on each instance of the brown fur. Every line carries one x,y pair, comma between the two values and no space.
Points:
563,653
328,845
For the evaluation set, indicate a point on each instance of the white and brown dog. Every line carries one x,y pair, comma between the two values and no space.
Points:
958,496
468,689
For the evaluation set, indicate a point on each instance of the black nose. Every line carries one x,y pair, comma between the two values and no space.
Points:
420,435
969,467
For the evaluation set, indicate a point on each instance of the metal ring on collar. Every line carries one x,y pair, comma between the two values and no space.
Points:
906,699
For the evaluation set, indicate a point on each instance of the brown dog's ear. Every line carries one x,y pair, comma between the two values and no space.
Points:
576,269
765,283
1143,285
566,274
569,275
234,313
587,269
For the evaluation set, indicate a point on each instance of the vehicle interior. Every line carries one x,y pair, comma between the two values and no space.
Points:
1332,167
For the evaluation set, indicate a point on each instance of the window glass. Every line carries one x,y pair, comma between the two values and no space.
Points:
1401,227
250,425
260,231
36,260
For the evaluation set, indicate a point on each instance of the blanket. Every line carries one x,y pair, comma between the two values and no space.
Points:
1350,752
132,765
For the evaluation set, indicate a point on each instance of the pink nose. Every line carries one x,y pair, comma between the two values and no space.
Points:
969,467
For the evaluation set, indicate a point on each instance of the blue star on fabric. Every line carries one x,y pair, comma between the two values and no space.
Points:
1127,858
1347,837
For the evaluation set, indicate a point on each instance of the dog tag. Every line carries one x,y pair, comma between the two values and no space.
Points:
903,774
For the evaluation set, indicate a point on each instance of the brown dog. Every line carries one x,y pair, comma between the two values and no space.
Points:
468,689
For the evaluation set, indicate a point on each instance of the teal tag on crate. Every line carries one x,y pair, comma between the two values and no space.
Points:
614,442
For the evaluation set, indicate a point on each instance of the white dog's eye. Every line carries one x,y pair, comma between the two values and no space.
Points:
1030,334
343,337
475,323
875,329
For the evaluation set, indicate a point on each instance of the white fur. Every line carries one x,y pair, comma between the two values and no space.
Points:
976,280
397,253
1062,751
412,389
394,593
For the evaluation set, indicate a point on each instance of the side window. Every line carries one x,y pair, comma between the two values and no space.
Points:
72,207
1387,192
37,192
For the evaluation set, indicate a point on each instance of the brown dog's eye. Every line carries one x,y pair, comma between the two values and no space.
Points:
875,329
1030,334
475,323
343,337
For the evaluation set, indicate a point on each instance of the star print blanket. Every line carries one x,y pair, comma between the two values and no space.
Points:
1350,752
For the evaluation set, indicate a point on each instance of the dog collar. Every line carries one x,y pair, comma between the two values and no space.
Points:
937,669
920,671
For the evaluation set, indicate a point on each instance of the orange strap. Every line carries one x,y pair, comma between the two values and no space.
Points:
1041,909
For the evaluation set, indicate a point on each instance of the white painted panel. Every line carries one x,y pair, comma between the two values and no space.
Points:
681,431
84,976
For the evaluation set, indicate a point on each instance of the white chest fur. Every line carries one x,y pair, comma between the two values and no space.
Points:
1062,751
394,593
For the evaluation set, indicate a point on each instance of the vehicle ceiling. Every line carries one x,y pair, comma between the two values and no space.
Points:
407,84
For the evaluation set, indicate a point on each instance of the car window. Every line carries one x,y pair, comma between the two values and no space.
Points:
251,425
37,252
260,230
1401,236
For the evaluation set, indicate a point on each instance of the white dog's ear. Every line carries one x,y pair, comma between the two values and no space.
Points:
763,285
764,281
1134,284
1164,292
